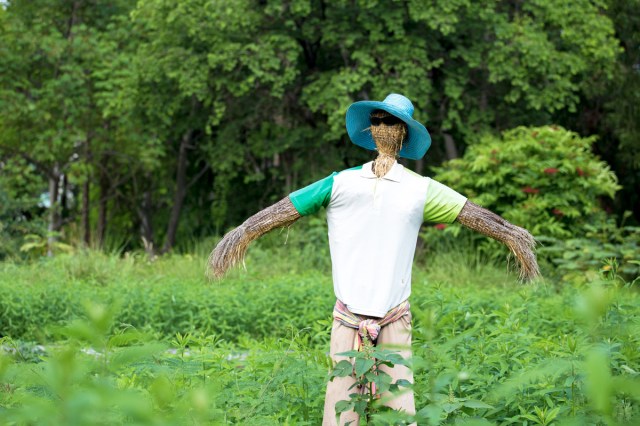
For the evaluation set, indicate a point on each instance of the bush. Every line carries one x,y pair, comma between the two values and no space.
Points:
578,259
21,213
545,179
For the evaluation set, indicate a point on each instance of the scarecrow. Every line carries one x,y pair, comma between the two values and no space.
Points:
374,213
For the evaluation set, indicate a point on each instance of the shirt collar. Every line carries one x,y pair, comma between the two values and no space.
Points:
394,175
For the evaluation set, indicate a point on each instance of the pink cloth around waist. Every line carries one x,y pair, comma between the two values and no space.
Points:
368,328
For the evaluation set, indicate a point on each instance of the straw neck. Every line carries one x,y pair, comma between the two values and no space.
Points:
382,164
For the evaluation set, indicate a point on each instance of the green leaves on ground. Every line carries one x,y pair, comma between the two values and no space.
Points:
482,350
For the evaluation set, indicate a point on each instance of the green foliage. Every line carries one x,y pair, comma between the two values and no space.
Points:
459,60
579,259
545,179
371,382
53,291
186,117
20,212
530,354
38,246
252,349
94,376
618,127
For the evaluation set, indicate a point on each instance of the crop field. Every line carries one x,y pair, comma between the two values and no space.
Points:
103,339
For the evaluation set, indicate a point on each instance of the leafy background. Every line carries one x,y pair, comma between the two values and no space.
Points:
154,124
133,134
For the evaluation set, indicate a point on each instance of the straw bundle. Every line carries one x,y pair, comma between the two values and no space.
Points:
388,141
519,240
232,248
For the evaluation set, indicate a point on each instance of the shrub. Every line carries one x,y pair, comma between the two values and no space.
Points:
604,246
545,179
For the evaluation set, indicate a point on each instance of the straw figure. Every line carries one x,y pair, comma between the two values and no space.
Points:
374,213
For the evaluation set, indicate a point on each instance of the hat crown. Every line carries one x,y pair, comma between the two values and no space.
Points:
401,102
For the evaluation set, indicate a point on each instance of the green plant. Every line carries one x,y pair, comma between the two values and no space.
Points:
579,259
485,350
370,381
545,179
543,416
36,245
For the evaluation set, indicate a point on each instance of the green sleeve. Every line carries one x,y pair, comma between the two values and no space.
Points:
443,204
309,199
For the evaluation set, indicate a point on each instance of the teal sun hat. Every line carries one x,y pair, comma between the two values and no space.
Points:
418,140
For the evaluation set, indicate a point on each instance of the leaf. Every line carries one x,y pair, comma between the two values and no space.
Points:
370,376
404,383
363,365
350,354
433,413
382,381
551,415
343,406
472,403
397,359
342,369
360,407
450,407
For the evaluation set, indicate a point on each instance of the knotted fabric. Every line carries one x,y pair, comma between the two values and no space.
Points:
368,328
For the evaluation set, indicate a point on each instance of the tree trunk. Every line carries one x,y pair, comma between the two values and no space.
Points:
103,183
180,192
54,214
287,165
86,226
86,193
64,204
146,225
450,146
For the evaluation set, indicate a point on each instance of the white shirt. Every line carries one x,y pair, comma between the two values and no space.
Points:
373,230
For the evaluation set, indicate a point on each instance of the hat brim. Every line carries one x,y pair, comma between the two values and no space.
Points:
358,123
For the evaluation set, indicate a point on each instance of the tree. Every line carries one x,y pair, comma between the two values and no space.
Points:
194,58
181,117
609,108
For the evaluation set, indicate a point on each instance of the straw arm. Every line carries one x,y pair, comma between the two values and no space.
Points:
232,248
518,240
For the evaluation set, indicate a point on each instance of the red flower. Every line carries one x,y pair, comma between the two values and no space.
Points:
440,226
534,134
551,170
530,190
557,212
580,171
